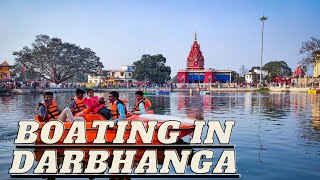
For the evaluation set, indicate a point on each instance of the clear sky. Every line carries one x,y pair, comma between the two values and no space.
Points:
120,32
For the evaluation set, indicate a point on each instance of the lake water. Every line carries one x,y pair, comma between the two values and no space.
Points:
277,135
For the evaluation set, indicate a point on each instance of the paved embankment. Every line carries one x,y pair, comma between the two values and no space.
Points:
62,90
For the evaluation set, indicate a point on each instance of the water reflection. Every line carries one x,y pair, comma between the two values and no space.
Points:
278,132
315,116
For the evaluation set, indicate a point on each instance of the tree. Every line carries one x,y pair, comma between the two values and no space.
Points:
309,49
240,80
242,71
174,79
277,68
152,68
56,61
234,76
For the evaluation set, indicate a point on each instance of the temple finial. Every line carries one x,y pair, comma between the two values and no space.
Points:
195,36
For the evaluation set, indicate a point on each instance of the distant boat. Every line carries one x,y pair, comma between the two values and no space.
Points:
162,92
204,92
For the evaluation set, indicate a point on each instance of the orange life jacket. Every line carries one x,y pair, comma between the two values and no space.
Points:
79,106
146,102
114,109
52,111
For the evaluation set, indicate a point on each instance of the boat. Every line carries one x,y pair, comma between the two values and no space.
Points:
185,129
313,91
162,92
91,116
204,92
38,152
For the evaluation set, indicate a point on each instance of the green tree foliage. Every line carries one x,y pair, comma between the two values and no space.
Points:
240,80
277,68
309,49
56,61
152,68
234,76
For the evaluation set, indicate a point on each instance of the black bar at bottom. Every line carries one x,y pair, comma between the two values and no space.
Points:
125,175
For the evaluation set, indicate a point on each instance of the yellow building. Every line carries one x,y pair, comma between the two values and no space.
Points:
316,67
4,71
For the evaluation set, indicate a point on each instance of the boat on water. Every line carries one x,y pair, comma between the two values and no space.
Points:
204,92
160,153
313,91
186,128
162,92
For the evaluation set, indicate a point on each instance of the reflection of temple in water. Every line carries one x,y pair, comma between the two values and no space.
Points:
192,106
200,106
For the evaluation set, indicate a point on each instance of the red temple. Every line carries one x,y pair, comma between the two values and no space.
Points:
195,59
195,71
298,72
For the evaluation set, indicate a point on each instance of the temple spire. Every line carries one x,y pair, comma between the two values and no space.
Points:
195,58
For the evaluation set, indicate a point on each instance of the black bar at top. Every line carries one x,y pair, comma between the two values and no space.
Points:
135,146
125,175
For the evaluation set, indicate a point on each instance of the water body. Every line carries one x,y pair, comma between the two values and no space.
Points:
277,135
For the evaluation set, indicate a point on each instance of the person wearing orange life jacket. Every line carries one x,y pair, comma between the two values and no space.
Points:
117,107
48,109
142,104
76,104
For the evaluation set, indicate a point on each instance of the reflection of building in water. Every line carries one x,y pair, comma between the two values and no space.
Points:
315,109
161,104
191,106
207,104
276,105
299,103
307,111
247,101
182,104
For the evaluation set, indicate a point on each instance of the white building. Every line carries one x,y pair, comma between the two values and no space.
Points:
123,75
95,79
251,77
263,72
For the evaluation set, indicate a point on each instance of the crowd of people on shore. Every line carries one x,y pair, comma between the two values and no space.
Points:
77,107
37,85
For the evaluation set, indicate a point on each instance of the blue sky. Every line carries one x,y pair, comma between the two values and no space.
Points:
120,32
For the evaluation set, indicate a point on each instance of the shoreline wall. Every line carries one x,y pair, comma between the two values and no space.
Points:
252,89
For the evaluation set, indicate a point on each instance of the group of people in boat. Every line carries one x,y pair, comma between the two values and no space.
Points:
78,106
